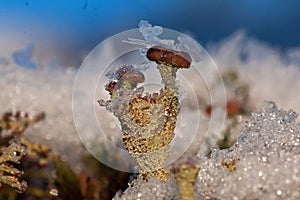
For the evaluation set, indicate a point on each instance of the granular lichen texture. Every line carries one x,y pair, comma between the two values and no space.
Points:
147,120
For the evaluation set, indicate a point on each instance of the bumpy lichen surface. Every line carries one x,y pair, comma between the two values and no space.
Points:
148,121
150,149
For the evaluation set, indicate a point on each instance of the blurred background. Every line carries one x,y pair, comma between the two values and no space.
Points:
61,33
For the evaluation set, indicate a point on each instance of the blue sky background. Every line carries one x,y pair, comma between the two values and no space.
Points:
74,27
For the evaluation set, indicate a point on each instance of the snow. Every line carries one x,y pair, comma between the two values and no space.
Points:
266,160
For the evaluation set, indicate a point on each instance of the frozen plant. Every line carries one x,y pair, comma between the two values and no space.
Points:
12,154
43,170
147,120
8,174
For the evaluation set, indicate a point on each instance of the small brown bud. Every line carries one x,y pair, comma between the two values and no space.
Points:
133,75
233,107
111,86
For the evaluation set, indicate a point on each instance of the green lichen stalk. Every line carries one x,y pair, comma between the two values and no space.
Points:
168,75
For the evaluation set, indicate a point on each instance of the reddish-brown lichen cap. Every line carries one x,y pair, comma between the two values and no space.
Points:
178,59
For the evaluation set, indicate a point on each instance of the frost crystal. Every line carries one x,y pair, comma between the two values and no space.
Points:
116,72
263,164
149,31
150,34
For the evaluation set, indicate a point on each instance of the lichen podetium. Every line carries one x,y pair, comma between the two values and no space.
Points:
148,121
185,175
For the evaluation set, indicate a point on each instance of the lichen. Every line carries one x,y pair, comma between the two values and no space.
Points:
185,175
148,121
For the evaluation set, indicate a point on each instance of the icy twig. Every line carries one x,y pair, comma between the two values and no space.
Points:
8,174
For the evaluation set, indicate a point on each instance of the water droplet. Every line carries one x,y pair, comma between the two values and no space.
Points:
279,192
54,192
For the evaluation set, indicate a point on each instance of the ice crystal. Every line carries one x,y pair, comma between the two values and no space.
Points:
151,38
116,72
262,164
150,34
149,31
